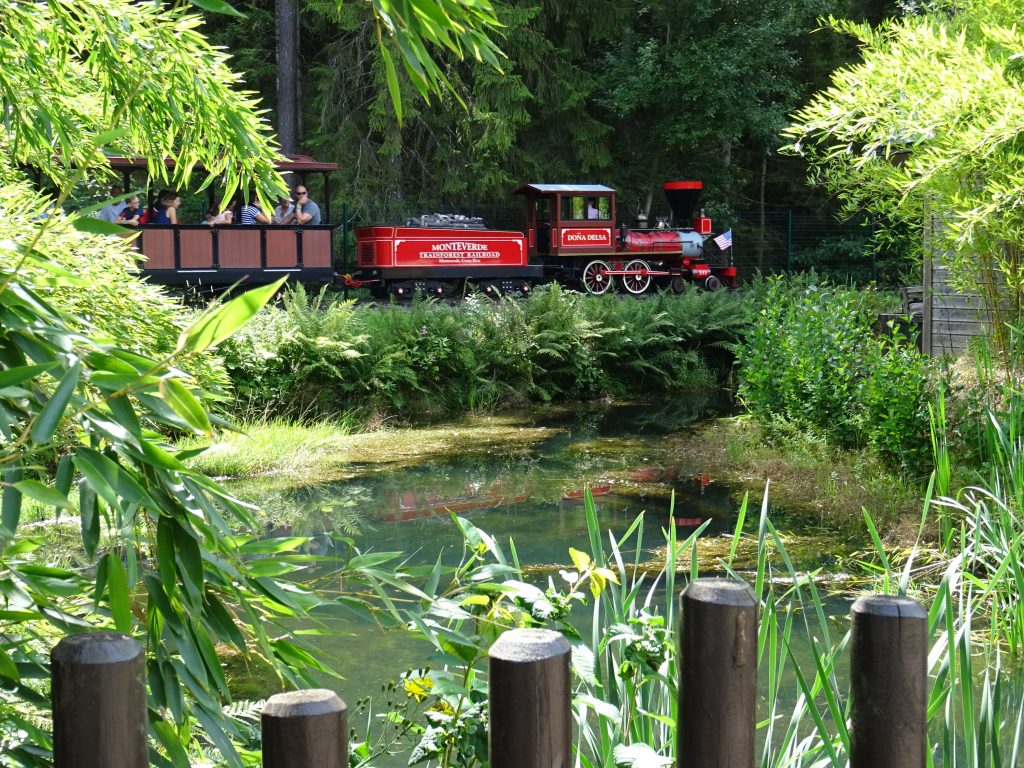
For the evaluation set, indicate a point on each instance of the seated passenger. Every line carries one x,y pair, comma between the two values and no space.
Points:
253,214
113,210
306,211
227,213
284,213
132,214
166,209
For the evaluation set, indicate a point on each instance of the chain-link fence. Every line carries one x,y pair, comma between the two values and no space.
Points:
785,242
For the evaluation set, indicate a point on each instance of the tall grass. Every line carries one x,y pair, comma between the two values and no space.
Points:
625,662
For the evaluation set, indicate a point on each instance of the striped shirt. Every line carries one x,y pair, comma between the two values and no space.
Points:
249,213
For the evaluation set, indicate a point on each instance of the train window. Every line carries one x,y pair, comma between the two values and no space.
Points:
545,207
581,208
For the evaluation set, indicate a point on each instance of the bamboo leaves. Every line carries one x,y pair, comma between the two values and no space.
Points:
82,63
925,128
161,535
219,323
412,26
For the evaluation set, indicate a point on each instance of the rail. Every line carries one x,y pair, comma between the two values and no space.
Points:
187,253
100,719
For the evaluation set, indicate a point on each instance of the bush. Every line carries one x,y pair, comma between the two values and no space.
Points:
317,356
811,358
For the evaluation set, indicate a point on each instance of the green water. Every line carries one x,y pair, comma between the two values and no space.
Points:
523,492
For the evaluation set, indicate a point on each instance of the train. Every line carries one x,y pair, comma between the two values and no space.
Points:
570,236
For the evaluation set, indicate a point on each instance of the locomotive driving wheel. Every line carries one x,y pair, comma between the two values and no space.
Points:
637,284
595,277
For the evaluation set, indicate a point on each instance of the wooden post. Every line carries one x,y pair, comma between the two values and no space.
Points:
718,674
305,729
888,683
99,702
530,705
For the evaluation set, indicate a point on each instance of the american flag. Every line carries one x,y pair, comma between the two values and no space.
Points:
724,240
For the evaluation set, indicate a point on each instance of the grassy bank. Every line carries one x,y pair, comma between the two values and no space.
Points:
808,476
325,451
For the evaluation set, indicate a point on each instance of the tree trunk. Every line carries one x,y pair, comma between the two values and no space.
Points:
287,17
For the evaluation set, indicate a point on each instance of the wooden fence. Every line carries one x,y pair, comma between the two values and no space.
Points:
99,695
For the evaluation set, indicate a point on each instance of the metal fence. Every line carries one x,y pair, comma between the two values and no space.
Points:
785,242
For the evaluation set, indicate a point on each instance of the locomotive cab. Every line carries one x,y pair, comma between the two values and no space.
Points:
568,219
571,229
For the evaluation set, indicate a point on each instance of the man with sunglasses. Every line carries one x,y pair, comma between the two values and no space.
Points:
306,211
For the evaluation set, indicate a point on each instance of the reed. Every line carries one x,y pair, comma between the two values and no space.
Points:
625,661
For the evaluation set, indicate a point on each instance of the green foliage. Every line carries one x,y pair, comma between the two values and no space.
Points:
924,131
568,350
895,395
97,369
630,96
323,356
812,358
74,86
146,519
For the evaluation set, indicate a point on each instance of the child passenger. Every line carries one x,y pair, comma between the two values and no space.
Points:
226,215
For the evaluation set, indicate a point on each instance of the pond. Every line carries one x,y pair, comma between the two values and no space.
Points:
527,486
520,477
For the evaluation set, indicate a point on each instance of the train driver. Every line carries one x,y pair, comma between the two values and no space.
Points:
592,211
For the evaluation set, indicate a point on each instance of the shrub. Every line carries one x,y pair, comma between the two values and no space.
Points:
811,358
894,397
318,356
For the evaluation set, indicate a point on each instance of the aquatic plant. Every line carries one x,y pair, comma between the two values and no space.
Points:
625,666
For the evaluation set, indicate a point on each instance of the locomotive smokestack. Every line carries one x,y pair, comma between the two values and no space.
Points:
682,197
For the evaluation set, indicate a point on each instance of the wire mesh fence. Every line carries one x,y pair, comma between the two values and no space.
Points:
786,242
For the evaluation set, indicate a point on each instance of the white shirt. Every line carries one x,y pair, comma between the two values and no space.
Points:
280,216
113,211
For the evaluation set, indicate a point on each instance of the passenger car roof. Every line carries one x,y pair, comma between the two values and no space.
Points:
547,189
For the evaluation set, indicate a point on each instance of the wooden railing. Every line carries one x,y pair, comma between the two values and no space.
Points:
99,695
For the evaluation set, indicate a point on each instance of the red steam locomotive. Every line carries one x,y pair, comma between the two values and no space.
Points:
570,237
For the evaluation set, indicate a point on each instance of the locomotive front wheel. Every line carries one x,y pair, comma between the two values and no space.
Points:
595,277
712,283
637,284
678,284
